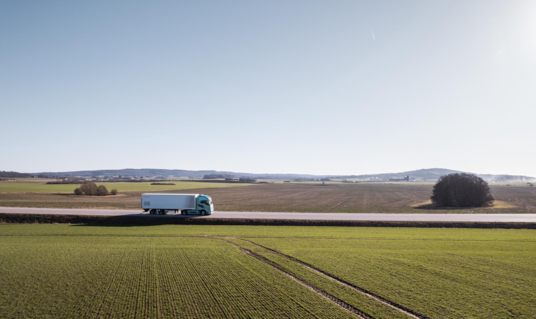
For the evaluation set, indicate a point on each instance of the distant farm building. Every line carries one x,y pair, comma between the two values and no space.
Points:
405,179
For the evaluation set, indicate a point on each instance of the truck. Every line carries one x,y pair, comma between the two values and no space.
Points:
187,204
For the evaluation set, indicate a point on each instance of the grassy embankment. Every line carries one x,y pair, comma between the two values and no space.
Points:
288,197
196,271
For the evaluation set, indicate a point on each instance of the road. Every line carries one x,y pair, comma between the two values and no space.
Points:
488,218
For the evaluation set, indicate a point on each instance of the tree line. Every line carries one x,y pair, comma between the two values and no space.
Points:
14,174
217,176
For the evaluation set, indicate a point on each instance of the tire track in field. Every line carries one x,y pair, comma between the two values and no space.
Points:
363,291
344,202
322,293
279,289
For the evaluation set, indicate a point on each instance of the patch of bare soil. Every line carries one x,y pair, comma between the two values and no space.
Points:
497,204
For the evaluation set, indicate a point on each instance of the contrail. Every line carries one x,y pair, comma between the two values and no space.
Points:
373,37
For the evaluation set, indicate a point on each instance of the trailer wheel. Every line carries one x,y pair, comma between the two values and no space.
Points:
203,213
152,212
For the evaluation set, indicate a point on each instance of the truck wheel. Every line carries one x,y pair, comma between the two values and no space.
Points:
184,212
152,212
203,213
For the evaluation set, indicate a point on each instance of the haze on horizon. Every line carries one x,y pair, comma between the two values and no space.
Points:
309,87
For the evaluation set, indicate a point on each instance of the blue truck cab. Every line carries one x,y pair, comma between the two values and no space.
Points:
203,206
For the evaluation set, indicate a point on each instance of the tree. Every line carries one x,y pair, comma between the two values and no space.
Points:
102,191
461,190
78,191
89,188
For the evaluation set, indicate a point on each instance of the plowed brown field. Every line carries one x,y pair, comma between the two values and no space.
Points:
343,198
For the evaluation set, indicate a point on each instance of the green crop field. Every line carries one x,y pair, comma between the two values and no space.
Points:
81,276
35,187
67,271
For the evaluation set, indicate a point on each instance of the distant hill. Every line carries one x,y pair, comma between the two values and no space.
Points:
166,173
14,174
429,174
433,174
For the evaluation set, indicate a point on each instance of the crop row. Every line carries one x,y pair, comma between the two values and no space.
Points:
225,283
437,278
145,277
358,300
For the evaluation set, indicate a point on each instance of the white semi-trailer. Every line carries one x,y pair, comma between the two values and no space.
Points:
186,203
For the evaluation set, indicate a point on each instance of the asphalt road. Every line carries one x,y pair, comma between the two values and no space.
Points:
519,218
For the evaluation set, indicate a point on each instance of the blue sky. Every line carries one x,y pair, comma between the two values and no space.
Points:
318,87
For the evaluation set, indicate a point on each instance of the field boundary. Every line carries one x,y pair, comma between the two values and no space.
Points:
10,218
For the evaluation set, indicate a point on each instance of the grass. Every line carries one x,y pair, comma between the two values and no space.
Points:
293,197
35,187
65,271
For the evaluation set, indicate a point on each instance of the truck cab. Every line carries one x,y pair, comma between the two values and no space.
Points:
203,206
204,203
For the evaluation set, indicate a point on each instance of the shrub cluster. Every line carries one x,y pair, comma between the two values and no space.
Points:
91,189
461,190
